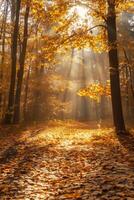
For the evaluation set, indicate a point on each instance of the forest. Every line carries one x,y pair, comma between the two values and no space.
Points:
67,99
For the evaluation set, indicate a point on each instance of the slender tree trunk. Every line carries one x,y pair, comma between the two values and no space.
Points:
3,34
26,94
114,69
127,90
37,103
1,74
16,117
10,108
130,72
13,10
37,88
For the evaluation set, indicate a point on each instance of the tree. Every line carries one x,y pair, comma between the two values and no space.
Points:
9,113
3,38
16,117
114,68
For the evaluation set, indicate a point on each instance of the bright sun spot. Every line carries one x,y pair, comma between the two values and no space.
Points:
83,17
81,12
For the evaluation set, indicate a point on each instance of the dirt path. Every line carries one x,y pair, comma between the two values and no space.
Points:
69,161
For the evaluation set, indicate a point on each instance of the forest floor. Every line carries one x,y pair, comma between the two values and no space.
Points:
63,161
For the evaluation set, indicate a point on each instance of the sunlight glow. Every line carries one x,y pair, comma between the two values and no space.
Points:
81,12
68,135
83,17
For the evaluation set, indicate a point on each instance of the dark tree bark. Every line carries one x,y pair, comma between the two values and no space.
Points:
3,34
114,69
16,117
10,107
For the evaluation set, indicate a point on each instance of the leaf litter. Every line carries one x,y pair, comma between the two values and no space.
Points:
59,161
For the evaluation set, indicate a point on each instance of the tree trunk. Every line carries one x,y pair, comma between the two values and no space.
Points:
26,94
129,72
9,112
3,34
114,69
16,117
